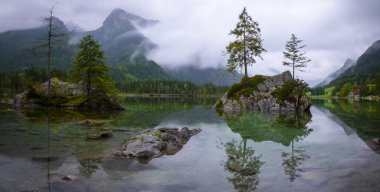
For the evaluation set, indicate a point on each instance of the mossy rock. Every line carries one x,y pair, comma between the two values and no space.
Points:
245,87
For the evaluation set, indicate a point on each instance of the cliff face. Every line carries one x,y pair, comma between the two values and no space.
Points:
259,93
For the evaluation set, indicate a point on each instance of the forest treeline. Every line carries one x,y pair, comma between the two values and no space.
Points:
15,82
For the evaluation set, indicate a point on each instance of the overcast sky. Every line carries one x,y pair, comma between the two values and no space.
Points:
196,31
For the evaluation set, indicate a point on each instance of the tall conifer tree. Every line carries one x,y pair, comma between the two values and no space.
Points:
247,46
296,58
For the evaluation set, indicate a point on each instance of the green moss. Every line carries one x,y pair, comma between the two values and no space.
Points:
245,87
218,104
140,137
157,134
75,101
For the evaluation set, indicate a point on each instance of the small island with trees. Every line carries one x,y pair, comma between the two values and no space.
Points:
90,86
262,93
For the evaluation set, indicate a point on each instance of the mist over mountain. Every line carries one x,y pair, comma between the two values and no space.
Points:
123,42
366,70
202,76
347,64
20,49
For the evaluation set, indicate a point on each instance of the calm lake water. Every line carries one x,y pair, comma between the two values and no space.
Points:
330,149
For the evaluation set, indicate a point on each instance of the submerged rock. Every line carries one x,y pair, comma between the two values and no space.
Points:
154,143
261,93
101,135
45,159
374,144
69,178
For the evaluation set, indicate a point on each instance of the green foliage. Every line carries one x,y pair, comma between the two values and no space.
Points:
245,87
243,164
366,73
218,104
90,70
293,53
345,90
248,44
329,90
169,87
17,81
290,90
157,134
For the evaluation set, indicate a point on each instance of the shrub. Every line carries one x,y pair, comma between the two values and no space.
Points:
290,90
245,87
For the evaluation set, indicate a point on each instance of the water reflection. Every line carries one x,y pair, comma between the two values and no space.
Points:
87,167
279,127
243,164
292,162
283,128
355,117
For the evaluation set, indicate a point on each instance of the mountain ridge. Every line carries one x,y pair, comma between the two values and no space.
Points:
347,64
125,47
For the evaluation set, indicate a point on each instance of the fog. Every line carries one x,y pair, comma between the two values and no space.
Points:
195,32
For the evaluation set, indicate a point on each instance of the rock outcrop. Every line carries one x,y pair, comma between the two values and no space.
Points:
154,143
65,95
276,93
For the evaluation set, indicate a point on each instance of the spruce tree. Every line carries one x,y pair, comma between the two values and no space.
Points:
90,70
247,46
293,53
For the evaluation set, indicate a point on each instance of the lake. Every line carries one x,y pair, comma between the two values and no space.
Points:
330,149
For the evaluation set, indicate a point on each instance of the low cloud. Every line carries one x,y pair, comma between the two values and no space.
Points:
195,32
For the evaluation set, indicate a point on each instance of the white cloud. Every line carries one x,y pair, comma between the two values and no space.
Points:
196,31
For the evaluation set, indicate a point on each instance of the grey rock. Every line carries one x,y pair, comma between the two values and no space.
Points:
278,80
154,143
269,83
286,76
261,87
263,99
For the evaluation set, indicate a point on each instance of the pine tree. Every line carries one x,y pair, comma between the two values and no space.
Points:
89,69
294,54
248,44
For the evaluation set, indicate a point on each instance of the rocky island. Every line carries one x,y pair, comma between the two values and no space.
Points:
65,95
261,93
154,143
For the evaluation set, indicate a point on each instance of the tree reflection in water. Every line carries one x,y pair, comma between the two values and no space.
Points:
88,167
243,164
293,160
283,128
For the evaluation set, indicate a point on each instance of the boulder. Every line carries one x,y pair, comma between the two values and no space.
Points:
154,143
262,95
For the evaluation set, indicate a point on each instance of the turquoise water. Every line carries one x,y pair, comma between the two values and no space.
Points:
330,149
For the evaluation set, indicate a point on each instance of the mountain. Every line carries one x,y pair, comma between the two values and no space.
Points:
349,63
366,72
120,38
20,49
124,44
202,76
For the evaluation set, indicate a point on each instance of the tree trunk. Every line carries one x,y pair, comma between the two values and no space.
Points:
245,56
88,85
49,51
293,69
